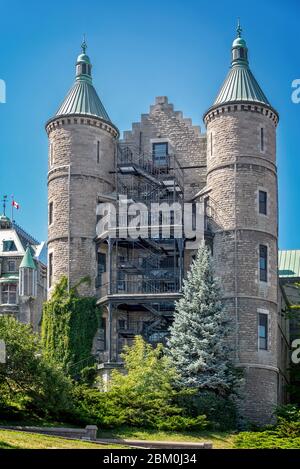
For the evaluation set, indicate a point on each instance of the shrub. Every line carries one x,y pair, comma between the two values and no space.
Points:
181,423
88,375
220,411
143,397
288,412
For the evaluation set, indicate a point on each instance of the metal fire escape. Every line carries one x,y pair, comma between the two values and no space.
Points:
144,273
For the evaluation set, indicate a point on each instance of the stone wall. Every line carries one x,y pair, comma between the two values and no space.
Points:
81,161
237,168
185,140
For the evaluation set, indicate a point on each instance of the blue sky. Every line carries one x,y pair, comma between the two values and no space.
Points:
140,49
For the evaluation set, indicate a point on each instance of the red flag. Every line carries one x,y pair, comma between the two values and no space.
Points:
15,204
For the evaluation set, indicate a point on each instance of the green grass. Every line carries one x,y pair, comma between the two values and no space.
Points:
267,439
22,440
220,440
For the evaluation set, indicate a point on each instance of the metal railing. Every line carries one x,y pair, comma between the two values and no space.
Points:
131,287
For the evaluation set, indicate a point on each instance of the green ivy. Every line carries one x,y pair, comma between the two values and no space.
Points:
69,325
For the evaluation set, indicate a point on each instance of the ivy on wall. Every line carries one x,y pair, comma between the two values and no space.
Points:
69,325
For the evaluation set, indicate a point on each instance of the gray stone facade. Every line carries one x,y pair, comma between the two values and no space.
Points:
227,168
79,172
236,171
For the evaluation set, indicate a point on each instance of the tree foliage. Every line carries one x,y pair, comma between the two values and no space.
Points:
198,344
28,381
143,396
69,325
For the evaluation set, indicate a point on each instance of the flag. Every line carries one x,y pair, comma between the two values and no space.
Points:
15,204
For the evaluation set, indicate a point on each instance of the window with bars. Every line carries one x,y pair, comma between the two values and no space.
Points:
9,294
263,263
262,331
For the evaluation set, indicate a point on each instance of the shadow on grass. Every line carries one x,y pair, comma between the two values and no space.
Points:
148,433
4,445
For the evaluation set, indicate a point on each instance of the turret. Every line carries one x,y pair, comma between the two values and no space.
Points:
28,280
242,176
82,142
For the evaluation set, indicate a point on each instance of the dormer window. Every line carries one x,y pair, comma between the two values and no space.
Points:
9,246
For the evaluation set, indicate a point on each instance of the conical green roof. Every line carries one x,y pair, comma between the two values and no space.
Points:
240,83
82,97
27,261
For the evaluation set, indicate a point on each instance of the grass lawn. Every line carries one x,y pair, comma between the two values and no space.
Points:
219,439
22,440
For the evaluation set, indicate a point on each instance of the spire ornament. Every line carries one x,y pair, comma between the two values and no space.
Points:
239,29
84,45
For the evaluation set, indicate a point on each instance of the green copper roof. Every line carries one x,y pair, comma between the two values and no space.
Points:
27,261
82,97
240,83
289,263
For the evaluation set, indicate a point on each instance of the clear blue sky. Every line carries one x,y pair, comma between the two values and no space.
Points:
140,49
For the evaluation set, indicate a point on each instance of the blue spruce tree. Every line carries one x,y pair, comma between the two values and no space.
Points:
198,343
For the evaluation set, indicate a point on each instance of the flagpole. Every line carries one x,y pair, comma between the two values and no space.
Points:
12,209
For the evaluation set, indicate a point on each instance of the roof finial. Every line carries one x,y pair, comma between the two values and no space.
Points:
84,45
239,29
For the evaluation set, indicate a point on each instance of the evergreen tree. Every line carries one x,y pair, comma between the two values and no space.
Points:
198,344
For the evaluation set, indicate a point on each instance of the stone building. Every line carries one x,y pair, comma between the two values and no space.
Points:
229,171
23,273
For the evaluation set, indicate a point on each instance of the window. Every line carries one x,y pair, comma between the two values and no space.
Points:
262,331
11,266
51,154
194,216
83,68
211,144
50,268
206,212
160,153
9,246
262,202
101,342
101,267
98,152
122,324
262,142
263,262
121,281
9,294
50,213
